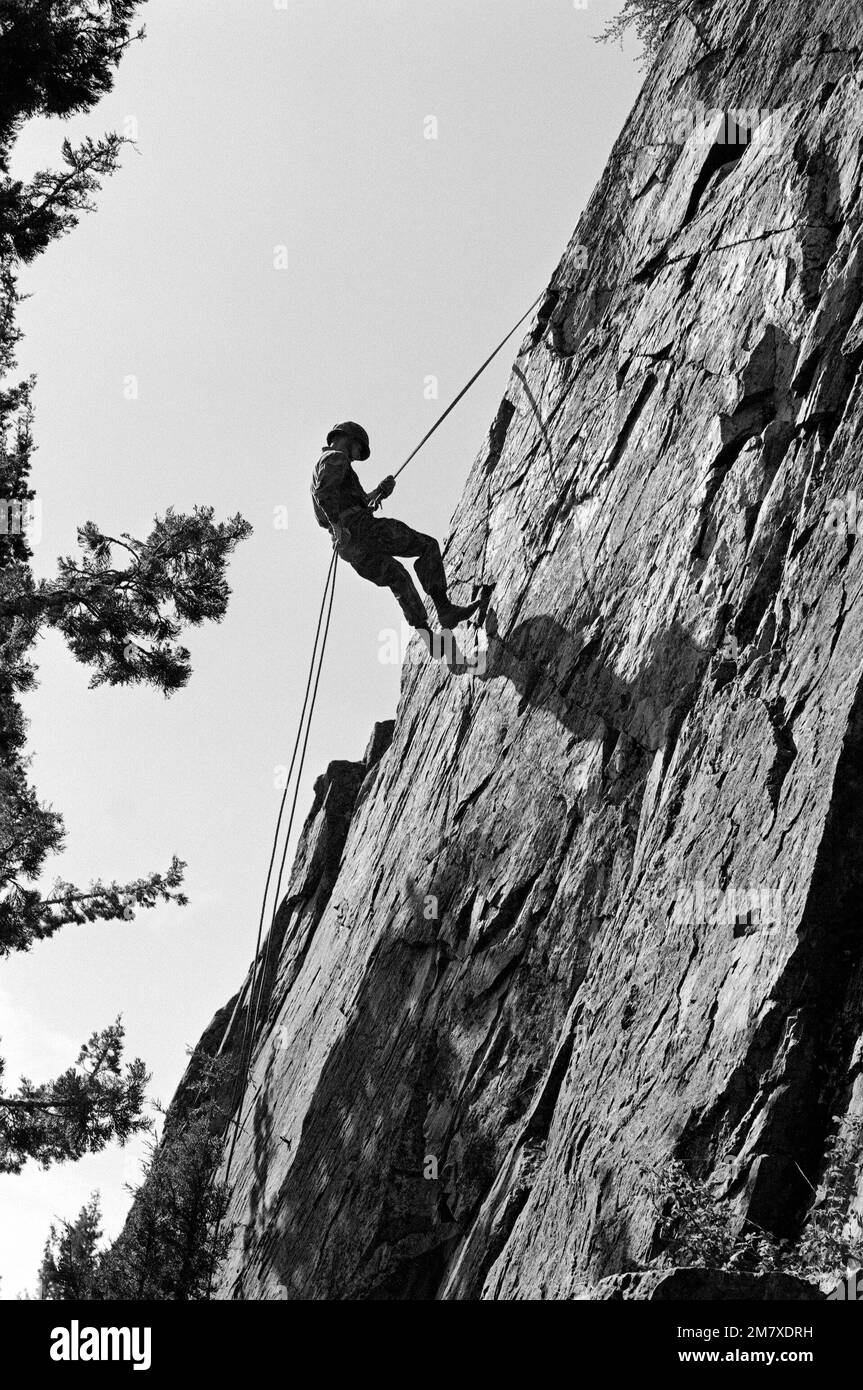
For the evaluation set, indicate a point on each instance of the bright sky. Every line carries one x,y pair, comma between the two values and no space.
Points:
298,124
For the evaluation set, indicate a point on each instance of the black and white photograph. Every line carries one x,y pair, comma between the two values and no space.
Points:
431,675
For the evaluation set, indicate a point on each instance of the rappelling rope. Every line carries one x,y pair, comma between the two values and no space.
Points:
274,848
464,390
268,947
259,975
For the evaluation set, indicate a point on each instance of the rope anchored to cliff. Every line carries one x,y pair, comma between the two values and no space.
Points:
467,386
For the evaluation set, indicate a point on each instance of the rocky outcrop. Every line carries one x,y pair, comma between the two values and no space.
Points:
597,904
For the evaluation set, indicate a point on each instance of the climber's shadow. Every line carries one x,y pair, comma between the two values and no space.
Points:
570,675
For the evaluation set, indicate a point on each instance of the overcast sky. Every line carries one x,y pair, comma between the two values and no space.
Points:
299,125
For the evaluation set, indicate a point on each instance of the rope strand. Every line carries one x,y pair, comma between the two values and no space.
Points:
259,976
463,392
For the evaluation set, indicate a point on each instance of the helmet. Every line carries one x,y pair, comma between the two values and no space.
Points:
354,431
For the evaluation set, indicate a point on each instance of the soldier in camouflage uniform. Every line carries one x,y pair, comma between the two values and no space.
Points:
369,543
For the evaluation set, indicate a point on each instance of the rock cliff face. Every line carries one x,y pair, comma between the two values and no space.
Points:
595,903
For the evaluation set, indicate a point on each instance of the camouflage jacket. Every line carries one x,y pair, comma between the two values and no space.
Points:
336,490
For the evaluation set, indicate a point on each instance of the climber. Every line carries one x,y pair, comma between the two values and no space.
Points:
369,543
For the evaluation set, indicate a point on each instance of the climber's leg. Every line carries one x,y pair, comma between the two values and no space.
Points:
387,573
387,536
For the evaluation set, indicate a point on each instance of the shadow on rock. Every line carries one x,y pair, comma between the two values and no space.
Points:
572,677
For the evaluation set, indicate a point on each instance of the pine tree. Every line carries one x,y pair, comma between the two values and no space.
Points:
88,1106
58,57
174,1238
121,604
70,1260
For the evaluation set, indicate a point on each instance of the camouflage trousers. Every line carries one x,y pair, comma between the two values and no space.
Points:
371,551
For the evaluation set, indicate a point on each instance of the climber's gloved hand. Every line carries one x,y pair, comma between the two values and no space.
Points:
341,536
386,487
